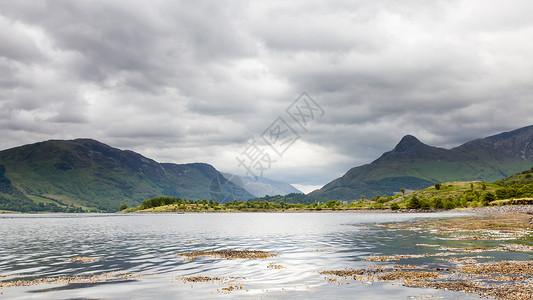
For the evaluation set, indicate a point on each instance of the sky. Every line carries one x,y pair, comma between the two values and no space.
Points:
219,81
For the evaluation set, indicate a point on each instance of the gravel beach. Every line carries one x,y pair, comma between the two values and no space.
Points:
506,209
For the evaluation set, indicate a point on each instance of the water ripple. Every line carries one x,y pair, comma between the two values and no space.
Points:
43,245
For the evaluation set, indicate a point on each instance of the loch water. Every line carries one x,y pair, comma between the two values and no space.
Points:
36,246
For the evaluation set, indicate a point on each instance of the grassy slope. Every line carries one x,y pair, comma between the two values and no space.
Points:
447,190
88,183
524,177
414,164
453,194
413,174
87,174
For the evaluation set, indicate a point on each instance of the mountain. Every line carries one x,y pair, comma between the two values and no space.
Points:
90,175
261,186
415,165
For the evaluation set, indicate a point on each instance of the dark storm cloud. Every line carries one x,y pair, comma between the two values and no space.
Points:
189,81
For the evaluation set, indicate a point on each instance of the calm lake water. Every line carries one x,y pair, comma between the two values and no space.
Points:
41,246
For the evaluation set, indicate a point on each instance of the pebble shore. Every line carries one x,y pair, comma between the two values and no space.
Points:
507,209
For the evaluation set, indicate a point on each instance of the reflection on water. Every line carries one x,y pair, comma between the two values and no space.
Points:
38,246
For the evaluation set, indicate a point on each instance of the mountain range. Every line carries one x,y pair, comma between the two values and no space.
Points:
261,186
87,175
415,165
90,175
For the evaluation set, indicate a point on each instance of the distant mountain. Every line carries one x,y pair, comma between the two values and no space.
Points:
88,174
261,186
415,165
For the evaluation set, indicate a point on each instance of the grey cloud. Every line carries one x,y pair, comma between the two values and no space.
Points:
197,79
16,44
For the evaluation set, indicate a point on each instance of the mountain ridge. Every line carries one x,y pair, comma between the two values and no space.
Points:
87,174
262,186
412,164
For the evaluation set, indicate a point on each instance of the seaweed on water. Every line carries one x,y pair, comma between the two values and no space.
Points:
99,278
231,254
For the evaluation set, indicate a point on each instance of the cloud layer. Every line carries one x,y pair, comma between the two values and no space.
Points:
184,81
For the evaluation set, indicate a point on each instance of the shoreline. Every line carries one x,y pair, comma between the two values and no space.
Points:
507,209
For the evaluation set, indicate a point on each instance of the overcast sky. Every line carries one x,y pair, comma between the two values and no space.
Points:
197,81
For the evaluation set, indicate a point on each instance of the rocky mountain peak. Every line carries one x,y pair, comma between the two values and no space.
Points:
408,143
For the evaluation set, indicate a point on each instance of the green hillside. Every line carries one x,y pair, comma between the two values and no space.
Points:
524,177
447,195
414,165
85,174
